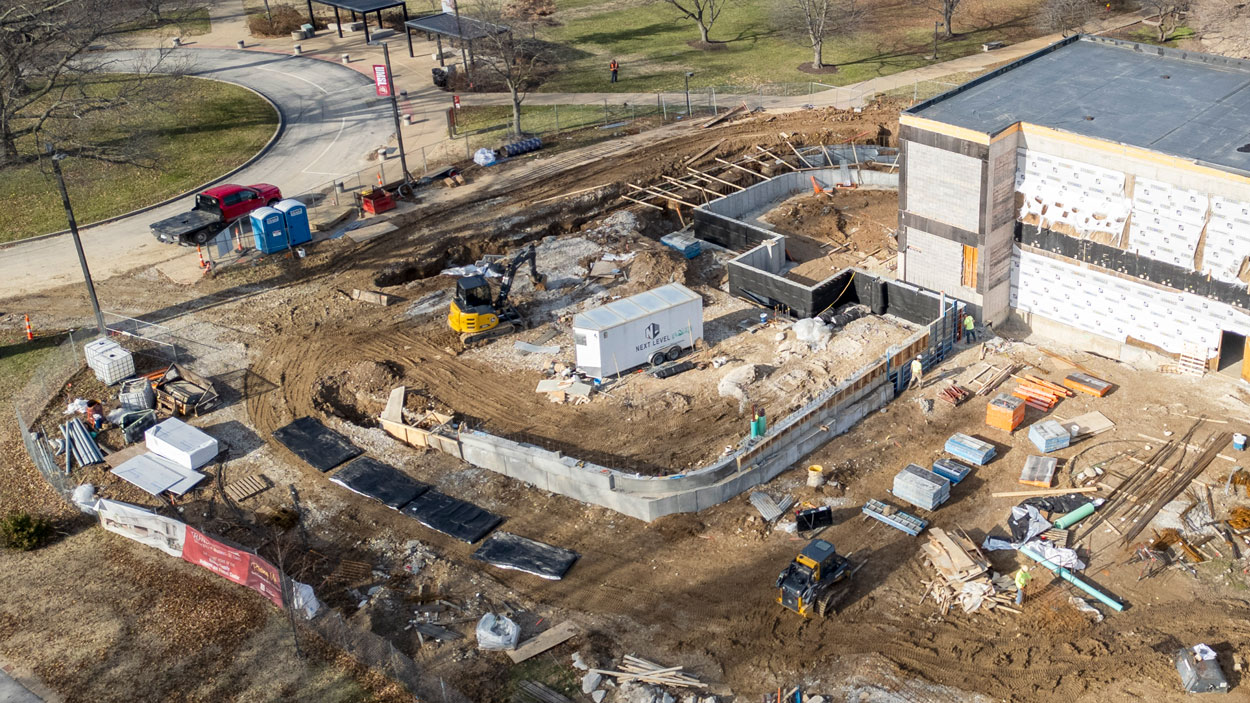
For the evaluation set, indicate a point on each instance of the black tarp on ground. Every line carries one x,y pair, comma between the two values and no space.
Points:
381,482
319,446
464,521
509,551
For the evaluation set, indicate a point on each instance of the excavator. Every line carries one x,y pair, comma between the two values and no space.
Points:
478,314
816,581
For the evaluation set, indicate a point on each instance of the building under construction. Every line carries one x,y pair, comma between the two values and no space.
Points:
1098,189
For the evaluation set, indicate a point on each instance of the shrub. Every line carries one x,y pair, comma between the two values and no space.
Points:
24,532
286,19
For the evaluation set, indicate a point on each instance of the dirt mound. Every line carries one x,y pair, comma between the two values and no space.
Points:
813,216
358,393
652,268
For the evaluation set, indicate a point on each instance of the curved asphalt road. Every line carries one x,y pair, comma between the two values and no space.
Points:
333,118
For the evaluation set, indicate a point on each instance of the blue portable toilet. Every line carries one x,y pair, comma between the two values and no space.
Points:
269,230
296,216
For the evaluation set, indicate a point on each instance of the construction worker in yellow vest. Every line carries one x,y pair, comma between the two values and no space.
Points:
917,373
1022,579
970,329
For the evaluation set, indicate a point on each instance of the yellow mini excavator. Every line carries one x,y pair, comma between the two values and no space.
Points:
816,581
478,314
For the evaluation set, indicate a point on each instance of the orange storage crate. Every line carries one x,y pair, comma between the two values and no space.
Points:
1005,412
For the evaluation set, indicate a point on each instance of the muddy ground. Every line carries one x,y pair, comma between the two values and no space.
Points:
695,590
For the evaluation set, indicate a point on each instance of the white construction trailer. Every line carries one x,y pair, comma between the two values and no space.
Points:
648,328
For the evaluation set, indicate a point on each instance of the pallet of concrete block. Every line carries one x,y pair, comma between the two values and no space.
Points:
684,244
1039,471
1005,412
109,361
892,516
1084,383
970,449
953,471
1049,436
921,487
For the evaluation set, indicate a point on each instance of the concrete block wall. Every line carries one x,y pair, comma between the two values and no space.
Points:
943,185
937,263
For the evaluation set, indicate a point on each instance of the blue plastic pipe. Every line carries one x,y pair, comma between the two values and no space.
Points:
1072,579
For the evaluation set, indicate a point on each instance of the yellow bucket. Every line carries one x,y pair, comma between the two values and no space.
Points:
815,476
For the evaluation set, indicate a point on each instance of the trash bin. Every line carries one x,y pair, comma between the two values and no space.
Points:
440,77
1199,670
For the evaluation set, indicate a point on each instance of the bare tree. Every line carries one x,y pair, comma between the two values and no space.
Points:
811,22
944,9
531,12
47,74
513,59
1170,15
1065,16
701,12
1223,26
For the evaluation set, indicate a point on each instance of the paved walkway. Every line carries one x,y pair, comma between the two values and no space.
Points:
428,105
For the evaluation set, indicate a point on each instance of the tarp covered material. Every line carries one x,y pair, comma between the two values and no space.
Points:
382,482
451,516
1059,504
509,551
1026,523
319,446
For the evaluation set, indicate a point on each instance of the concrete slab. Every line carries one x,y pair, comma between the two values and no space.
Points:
369,232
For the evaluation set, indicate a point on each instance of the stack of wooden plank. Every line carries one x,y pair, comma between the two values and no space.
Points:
1039,393
954,395
963,574
636,669
989,378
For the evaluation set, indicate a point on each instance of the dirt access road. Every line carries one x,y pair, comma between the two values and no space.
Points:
331,119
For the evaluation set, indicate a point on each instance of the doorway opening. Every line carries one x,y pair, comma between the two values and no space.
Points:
1232,354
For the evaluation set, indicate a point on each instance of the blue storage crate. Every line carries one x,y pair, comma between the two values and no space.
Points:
951,470
921,487
1049,435
970,449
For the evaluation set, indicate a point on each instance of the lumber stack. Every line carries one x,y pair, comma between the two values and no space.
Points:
1039,393
637,669
963,575
993,377
954,394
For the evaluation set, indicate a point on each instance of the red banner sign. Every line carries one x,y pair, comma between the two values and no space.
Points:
381,80
244,568
455,100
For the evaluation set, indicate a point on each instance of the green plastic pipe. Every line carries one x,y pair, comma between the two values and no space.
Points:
1075,516
1072,579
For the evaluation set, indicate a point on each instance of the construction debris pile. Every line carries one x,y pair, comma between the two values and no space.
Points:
964,576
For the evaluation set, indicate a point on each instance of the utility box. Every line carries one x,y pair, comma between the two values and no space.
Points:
1199,670
269,230
652,327
295,215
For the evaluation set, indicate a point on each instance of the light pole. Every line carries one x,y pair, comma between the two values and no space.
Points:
688,75
399,135
73,230
936,26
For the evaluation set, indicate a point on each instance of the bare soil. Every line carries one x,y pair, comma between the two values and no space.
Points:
95,615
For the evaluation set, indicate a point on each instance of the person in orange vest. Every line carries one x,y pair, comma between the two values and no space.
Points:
613,68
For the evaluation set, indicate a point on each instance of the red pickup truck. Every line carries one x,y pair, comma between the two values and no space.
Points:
214,208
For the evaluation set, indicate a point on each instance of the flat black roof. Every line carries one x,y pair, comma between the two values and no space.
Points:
362,6
1185,104
446,24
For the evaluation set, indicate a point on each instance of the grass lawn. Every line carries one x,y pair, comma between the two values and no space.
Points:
653,45
186,22
204,129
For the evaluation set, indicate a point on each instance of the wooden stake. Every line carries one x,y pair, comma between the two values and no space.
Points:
757,174
710,177
1044,492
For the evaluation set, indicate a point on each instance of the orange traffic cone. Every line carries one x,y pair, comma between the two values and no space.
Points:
200,253
30,336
